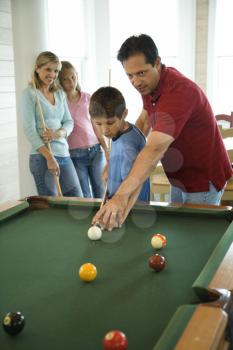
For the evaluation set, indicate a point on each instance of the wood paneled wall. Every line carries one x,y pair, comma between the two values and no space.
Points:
9,174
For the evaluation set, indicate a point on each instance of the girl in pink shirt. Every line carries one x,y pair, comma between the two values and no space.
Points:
84,142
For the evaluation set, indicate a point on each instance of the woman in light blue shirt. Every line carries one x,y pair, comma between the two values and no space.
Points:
43,92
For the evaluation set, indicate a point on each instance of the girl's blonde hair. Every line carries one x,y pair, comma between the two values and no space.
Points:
65,65
42,59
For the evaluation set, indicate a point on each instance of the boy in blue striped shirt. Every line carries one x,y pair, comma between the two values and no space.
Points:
108,110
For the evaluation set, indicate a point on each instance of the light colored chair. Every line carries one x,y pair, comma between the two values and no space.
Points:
225,118
227,135
159,185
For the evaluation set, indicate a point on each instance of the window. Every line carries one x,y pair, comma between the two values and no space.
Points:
67,31
222,81
170,23
90,32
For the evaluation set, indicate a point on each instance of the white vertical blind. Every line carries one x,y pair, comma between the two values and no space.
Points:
82,36
67,31
222,99
129,17
162,20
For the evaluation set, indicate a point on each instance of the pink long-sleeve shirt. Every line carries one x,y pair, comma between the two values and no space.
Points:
83,134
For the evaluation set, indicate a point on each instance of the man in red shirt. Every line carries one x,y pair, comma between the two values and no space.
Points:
181,133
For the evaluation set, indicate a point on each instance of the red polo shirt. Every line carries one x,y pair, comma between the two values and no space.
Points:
178,107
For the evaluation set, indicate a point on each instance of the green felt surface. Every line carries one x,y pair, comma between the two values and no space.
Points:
175,327
42,250
214,261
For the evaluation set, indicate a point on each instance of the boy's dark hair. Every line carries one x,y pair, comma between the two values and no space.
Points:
108,102
138,44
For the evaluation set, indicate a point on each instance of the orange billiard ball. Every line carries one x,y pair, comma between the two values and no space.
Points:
88,272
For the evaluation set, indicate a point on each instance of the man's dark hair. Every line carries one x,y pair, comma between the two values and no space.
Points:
138,44
107,102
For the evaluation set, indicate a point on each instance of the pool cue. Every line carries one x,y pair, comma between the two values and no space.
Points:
106,185
104,196
109,147
109,76
55,177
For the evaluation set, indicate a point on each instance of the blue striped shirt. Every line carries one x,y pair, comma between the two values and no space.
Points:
124,151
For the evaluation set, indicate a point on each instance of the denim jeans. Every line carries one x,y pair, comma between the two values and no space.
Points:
44,180
89,163
210,197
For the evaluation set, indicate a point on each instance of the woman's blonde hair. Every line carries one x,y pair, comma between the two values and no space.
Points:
42,59
65,65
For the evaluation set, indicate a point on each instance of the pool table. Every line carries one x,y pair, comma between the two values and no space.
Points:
43,243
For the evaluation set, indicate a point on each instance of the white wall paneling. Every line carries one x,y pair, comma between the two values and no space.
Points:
9,175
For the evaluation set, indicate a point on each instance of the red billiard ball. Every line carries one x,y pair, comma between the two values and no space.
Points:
115,340
13,322
157,262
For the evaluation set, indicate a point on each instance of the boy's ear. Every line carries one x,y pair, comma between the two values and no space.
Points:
125,113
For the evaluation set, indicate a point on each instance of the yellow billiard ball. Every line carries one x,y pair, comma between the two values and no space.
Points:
88,272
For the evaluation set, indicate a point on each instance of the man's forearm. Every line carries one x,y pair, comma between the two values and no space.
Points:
145,163
132,200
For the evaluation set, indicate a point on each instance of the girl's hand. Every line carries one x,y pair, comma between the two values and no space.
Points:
50,135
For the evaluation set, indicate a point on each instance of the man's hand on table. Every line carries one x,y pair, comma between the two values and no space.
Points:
112,214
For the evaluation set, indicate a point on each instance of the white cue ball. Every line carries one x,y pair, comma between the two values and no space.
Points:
94,233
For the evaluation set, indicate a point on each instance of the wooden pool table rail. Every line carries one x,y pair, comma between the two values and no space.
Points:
206,330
